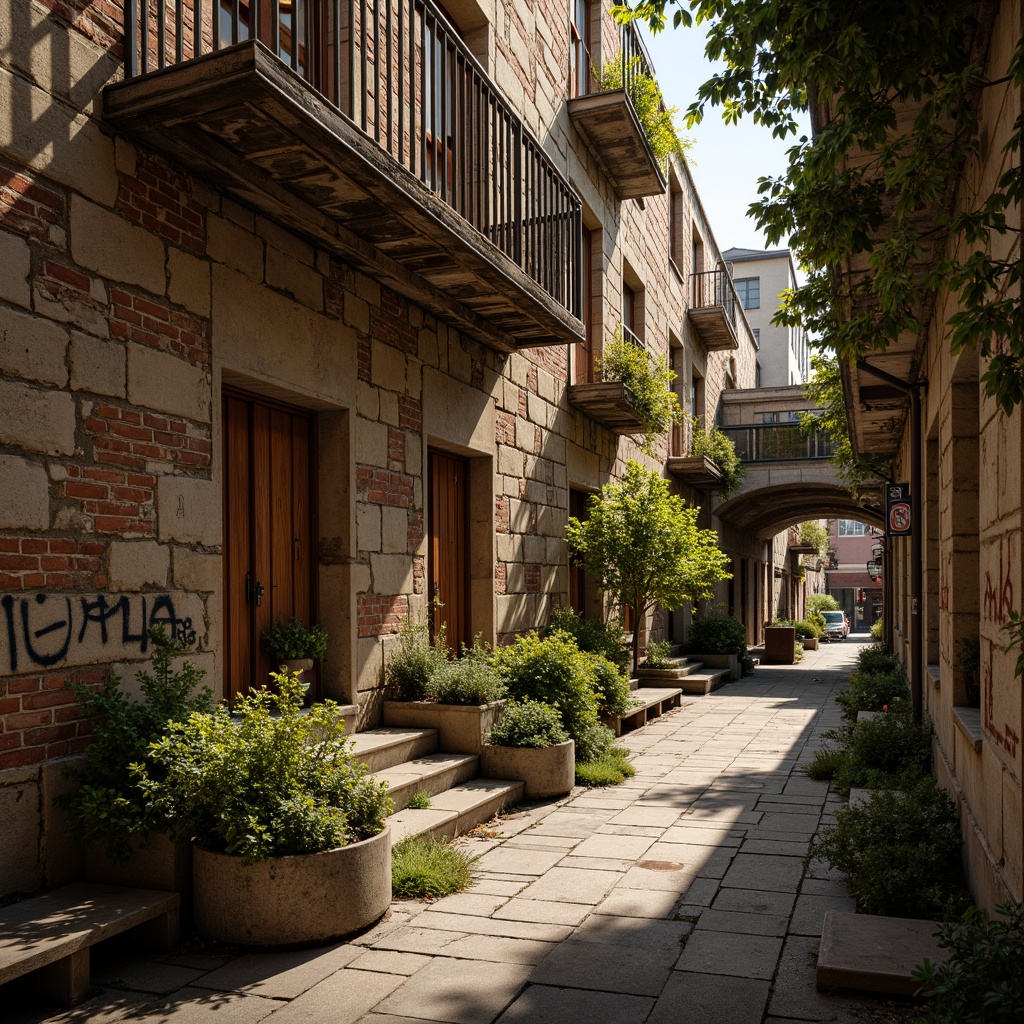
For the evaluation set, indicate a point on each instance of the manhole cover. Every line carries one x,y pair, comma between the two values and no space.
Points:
659,865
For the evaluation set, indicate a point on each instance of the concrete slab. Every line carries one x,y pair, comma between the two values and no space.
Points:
543,912
795,994
764,872
519,860
875,954
739,923
634,931
754,901
734,954
387,961
809,915
342,998
571,885
708,999
627,970
544,1004
645,903
280,975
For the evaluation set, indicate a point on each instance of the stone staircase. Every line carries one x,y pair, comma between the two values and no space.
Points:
409,761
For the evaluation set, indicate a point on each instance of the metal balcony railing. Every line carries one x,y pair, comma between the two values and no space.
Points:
398,71
635,59
774,442
714,288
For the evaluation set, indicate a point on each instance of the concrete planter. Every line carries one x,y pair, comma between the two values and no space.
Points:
719,661
305,900
810,643
157,863
545,771
461,728
304,666
659,676
779,645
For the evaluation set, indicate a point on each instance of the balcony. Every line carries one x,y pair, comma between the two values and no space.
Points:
608,121
712,309
610,402
778,442
696,470
373,131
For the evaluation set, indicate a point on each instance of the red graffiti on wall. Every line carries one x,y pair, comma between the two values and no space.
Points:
999,596
1005,737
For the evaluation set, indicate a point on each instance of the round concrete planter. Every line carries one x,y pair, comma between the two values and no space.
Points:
156,863
545,771
305,900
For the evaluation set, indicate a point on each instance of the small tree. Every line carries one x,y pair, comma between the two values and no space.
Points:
643,545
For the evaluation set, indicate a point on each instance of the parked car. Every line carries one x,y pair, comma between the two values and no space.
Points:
836,625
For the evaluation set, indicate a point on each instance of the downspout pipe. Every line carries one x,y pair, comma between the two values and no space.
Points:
913,391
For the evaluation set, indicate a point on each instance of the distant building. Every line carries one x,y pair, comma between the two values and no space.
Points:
859,595
760,277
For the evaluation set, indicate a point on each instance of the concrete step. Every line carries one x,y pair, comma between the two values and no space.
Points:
432,774
379,749
648,702
703,682
861,953
456,810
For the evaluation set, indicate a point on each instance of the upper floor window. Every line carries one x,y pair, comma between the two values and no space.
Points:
749,291
757,337
851,528
675,224
580,58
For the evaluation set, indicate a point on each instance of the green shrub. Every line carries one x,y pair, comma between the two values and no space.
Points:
657,655
593,635
901,852
265,778
877,630
415,661
813,534
826,763
716,634
982,981
557,672
890,751
470,680
817,620
719,448
288,639
419,801
872,691
877,658
806,630
528,723
423,867
820,603
656,120
108,805
610,769
611,687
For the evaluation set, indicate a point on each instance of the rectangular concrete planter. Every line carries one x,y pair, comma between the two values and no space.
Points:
779,645
718,661
810,643
461,728
544,771
155,864
660,676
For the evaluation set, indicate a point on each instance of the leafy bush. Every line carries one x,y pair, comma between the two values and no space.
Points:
610,769
656,120
528,723
877,630
471,680
890,751
557,672
872,691
718,447
593,635
288,639
415,661
423,867
817,620
611,687
716,634
419,801
820,603
657,655
108,805
648,378
806,630
901,852
981,982
265,778
813,534
826,763
877,658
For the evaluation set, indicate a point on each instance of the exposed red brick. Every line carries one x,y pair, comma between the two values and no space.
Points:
160,199
410,413
28,207
376,613
152,322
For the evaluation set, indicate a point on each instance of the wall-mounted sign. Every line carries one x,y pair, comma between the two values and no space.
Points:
897,510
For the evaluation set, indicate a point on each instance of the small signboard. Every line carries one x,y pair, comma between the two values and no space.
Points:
897,510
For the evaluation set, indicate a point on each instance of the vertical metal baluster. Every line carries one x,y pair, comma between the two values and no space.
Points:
234,20
364,70
307,66
445,89
336,53
296,19
145,35
161,35
197,28
131,58
517,185
254,18
376,70
215,17
423,99
353,74
179,31
401,81
389,62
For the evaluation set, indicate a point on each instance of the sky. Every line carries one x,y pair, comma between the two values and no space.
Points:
726,160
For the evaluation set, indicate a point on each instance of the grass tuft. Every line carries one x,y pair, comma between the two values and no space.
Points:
419,801
424,867
610,769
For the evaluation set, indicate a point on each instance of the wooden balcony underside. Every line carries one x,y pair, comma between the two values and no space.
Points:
696,470
607,121
242,120
714,328
609,403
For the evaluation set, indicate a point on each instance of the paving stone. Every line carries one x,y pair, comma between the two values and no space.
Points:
648,903
755,901
388,961
201,1006
653,831
548,842
667,876
749,924
418,940
795,993
633,931
342,998
597,863
733,953
781,847
571,885
809,915
701,835
795,823
630,970
638,814
765,872
544,1004
496,887
709,999
105,1007
477,904
544,911
460,991
824,887
463,923
145,976
519,860
704,861
280,975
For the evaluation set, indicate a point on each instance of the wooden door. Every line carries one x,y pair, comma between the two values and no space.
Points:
448,570
269,568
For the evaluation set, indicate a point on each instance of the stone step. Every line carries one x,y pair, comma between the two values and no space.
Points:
456,810
862,953
703,682
379,749
431,774
649,702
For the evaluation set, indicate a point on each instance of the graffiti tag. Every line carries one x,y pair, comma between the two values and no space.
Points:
999,596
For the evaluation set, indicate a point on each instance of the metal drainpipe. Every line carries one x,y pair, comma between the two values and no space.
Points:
916,567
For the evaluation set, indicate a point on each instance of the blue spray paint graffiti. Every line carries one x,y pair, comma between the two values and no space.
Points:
43,630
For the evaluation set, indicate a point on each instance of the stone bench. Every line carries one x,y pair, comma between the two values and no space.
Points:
51,934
